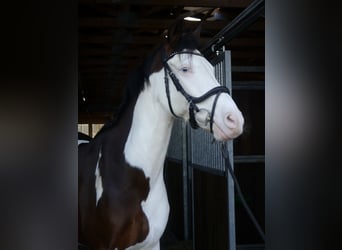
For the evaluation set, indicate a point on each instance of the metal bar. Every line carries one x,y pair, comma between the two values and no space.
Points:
230,181
174,160
246,18
193,208
185,182
209,170
251,247
248,69
249,159
249,85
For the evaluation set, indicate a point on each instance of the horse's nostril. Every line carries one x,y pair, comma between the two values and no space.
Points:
231,121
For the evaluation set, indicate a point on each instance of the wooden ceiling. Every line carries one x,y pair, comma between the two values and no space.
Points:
115,36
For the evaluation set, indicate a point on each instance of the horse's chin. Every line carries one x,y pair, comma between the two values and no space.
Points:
220,134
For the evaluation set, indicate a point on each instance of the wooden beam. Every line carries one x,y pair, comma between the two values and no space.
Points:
106,69
95,52
103,70
95,61
149,24
246,43
139,40
107,22
194,3
172,3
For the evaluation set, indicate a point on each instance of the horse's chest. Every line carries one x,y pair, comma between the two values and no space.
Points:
156,208
121,220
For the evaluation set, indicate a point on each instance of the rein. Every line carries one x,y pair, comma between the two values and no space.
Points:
225,155
193,108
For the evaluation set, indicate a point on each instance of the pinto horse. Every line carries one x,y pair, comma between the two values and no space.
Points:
122,199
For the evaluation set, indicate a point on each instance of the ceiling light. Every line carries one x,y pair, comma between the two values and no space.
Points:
192,19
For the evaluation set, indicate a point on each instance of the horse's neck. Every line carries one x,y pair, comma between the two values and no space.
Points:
149,136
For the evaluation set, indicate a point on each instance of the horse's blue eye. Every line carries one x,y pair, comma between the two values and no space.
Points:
184,69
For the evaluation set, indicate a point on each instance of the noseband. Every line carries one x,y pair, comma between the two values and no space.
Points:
193,108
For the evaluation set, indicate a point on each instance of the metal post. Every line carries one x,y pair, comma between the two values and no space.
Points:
185,182
230,182
240,23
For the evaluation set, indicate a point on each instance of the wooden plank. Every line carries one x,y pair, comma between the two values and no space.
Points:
103,39
97,61
93,117
172,3
107,69
105,53
146,23
108,22
246,43
194,3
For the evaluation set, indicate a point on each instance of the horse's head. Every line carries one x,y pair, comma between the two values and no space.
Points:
192,92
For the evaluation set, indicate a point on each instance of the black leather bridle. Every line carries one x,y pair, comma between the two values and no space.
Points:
193,108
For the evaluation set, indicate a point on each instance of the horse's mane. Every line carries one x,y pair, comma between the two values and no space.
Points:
179,37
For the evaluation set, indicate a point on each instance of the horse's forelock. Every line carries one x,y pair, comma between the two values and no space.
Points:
184,35
184,41
154,62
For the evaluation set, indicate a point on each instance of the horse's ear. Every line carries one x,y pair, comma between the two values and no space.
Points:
183,35
182,27
174,32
